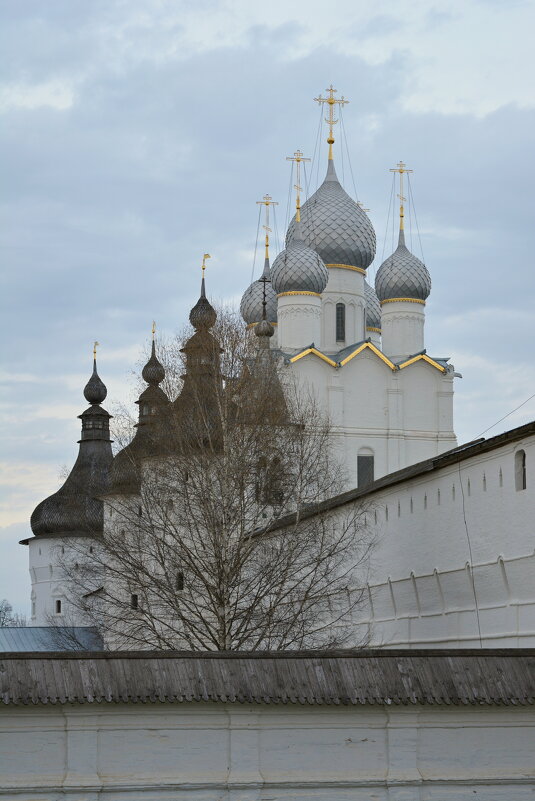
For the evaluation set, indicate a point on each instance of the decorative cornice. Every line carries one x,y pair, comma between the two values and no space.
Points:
425,358
347,267
252,325
403,300
285,294
372,328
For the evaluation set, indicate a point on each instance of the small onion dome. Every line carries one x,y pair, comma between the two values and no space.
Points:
153,372
298,268
373,307
336,226
75,509
203,314
251,302
95,390
402,275
264,329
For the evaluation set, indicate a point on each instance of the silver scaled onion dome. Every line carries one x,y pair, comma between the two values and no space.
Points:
252,298
373,307
298,268
402,275
336,226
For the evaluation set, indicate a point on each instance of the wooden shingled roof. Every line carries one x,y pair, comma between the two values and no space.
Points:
484,677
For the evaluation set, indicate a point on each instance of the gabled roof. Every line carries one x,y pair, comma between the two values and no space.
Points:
345,355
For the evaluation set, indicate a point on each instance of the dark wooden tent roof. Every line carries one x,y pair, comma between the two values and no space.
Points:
493,677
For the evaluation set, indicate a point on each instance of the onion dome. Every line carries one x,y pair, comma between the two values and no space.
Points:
373,307
402,275
203,314
76,509
298,268
152,436
251,302
336,226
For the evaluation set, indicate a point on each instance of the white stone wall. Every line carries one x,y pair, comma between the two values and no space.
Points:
241,752
447,539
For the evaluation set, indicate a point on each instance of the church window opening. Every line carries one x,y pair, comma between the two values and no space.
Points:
375,516
399,509
170,505
365,467
386,512
62,549
139,511
500,477
145,409
58,607
90,549
179,581
469,487
484,482
438,497
520,470
134,601
340,322
425,501
412,506
453,492
33,608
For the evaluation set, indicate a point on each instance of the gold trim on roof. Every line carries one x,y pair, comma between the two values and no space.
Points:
425,358
314,352
372,328
403,300
296,292
373,349
348,267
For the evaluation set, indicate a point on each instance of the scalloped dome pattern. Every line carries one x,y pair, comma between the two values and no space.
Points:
402,275
373,307
336,226
251,303
298,268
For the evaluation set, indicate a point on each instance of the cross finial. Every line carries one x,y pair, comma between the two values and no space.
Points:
267,201
203,266
402,169
361,204
153,329
297,158
95,346
331,101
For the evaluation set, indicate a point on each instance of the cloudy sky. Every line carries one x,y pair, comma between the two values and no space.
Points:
137,134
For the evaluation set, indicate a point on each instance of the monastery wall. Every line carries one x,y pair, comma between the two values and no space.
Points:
430,529
207,751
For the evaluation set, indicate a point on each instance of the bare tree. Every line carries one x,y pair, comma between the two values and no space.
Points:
10,618
216,536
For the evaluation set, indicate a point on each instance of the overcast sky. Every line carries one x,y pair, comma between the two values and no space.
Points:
138,134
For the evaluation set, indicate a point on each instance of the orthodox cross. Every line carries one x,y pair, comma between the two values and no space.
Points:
402,169
203,265
331,122
153,329
267,201
95,346
297,158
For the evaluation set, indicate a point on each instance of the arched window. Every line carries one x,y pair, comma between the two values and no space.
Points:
500,477
340,322
412,506
520,470
58,607
365,467
179,581
134,601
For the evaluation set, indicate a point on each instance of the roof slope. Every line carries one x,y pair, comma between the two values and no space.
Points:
489,677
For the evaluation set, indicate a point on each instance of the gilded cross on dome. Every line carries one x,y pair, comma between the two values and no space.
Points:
297,158
267,201
331,101
401,168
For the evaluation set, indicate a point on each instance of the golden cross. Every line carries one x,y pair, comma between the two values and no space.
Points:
153,328
331,122
203,266
402,169
267,201
361,204
95,346
297,158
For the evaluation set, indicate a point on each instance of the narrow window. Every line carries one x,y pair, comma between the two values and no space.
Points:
170,505
375,516
134,601
365,468
520,470
453,492
412,506
469,487
399,509
180,581
39,552
90,549
438,497
425,501
62,549
386,512
340,322
484,482
58,607
33,608
500,478
139,511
